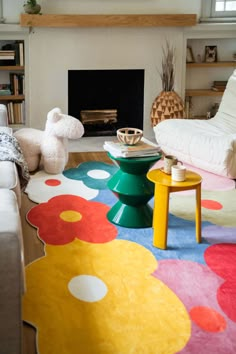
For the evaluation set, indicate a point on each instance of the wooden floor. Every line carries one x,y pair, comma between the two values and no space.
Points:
33,247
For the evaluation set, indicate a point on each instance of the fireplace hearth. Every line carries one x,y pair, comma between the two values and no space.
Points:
106,100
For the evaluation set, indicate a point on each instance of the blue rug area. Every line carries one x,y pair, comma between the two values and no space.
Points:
181,233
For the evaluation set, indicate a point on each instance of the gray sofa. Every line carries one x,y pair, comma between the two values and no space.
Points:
11,254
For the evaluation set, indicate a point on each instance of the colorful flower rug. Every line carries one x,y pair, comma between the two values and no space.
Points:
104,289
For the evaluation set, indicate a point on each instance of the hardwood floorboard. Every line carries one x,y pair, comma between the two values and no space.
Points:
33,247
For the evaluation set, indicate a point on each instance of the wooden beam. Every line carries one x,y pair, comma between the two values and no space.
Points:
57,20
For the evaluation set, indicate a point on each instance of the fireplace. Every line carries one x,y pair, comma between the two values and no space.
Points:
106,100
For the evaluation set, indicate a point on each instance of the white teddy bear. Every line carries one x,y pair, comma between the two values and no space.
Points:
49,147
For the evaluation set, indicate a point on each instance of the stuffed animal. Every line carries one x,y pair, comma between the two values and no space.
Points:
49,147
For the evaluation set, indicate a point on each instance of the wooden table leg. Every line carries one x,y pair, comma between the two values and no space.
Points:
160,216
198,216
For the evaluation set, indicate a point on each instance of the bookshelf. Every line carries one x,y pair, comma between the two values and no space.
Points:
12,80
201,76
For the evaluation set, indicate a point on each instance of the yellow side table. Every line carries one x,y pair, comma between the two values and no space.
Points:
163,187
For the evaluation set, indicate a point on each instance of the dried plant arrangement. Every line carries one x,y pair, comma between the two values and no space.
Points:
168,72
168,104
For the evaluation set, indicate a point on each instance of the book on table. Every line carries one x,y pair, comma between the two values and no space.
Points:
143,148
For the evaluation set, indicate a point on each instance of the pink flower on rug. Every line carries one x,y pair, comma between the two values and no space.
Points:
211,330
221,259
66,217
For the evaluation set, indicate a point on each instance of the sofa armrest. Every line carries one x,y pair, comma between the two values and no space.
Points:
11,274
3,115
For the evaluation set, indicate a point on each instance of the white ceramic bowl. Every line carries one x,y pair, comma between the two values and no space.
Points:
129,136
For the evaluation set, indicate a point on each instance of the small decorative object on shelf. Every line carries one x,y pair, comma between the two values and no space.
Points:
168,104
129,136
219,86
31,7
189,55
199,58
211,53
214,109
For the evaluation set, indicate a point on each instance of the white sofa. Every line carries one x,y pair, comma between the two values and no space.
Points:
11,274
207,144
11,253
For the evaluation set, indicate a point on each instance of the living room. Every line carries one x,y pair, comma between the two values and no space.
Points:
177,321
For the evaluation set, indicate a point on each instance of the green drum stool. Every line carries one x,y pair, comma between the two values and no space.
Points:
133,190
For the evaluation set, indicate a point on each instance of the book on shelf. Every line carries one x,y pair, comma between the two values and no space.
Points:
12,54
6,92
219,86
7,55
143,148
16,112
19,52
17,83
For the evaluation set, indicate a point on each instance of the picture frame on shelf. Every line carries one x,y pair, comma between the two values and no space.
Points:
210,53
189,55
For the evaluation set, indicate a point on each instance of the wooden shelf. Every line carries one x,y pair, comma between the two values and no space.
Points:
139,20
12,98
217,64
203,92
12,67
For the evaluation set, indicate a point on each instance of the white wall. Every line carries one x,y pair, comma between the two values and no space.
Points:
121,6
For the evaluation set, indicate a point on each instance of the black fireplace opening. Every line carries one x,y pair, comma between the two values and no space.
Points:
106,100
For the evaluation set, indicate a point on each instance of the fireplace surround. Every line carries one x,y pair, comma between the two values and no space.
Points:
106,100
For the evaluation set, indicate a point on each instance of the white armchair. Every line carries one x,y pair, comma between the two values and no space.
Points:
206,144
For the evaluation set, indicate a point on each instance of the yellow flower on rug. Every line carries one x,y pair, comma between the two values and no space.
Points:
87,298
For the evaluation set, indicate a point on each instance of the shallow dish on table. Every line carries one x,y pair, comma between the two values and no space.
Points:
129,136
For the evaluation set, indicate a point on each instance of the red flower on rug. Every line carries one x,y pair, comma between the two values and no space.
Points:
66,217
221,259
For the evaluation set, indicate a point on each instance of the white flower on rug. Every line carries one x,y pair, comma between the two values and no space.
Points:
43,186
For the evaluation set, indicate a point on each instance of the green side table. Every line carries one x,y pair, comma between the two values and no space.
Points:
133,191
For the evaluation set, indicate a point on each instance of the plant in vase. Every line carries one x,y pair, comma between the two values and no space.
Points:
168,104
31,7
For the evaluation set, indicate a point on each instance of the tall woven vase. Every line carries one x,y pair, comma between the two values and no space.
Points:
167,105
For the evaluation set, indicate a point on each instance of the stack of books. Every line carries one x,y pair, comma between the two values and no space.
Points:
5,89
7,57
219,86
143,148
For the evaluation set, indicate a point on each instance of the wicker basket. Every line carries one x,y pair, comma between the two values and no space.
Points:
167,105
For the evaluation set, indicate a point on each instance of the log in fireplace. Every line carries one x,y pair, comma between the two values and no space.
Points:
106,100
